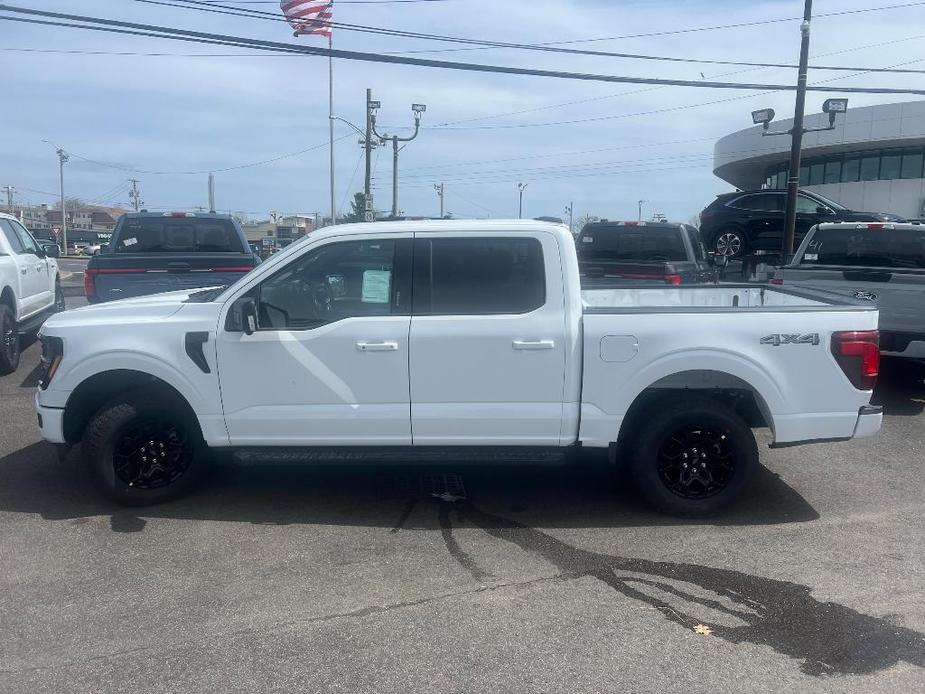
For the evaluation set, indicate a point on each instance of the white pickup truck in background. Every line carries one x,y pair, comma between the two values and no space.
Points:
30,289
454,341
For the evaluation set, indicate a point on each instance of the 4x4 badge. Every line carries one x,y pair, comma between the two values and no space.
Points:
779,339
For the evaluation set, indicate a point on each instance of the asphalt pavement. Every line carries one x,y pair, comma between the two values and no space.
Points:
285,579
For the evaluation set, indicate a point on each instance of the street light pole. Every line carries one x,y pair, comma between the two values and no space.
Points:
418,110
62,160
441,189
568,209
639,216
796,142
521,187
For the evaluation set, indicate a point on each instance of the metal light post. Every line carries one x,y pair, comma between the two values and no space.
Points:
62,160
418,110
441,189
521,187
763,117
568,211
639,204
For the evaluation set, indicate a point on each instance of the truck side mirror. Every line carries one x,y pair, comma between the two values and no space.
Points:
51,250
242,318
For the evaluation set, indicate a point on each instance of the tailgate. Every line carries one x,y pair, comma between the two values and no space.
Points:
899,293
120,276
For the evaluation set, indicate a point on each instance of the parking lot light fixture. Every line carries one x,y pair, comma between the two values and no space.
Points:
834,107
763,117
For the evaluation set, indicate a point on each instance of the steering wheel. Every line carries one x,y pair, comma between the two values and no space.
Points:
322,298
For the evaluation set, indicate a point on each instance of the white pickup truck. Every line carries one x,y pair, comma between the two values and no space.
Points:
454,341
29,287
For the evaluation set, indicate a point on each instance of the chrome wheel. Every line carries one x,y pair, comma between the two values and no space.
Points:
729,244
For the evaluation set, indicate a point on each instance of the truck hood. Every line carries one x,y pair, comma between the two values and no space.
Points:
124,311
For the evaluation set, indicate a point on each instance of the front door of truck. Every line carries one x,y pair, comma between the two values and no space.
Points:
328,364
487,340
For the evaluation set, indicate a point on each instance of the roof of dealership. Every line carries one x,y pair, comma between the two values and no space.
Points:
744,157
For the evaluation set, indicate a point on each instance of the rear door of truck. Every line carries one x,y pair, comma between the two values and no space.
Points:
150,254
877,262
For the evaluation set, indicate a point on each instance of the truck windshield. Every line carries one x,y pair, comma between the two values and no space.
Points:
640,244
178,235
867,247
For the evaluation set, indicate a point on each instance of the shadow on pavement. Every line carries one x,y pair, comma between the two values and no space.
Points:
900,388
32,480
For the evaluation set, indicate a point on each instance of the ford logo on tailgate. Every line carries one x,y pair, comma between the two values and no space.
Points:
865,296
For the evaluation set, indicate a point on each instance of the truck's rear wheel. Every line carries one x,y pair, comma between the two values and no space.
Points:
60,304
9,341
141,451
693,457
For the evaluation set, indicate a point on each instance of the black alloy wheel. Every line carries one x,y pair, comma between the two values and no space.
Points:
697,462
9,341
152,452
60,304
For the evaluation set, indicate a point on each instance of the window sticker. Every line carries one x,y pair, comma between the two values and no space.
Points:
811,256
376,284
587,239
130,242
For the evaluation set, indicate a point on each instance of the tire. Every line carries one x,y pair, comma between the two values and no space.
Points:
114,446
9,341
60,304
693,457
730,242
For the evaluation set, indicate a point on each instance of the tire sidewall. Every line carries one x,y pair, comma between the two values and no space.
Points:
644,461
8,362
113,420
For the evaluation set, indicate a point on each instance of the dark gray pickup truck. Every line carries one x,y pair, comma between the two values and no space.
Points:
878,262
154,252
642,253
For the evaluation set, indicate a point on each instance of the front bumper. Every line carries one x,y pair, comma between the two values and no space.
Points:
50,421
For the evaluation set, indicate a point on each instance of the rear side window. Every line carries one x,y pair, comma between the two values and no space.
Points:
867,248
638,244
478,276
178,235
767,202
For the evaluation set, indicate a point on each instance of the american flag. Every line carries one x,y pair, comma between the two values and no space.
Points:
308,16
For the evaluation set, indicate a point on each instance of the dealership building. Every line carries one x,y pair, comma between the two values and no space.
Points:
874,159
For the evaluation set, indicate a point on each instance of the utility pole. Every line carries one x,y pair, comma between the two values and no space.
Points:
796,142
211,192
62,160
521,187
640,204
418,110
568,211
9,197
441,189
368,144
134,195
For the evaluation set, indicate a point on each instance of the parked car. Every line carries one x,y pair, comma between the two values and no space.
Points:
90,249
454,341
642,252
736,224
881,263
152,252
30,288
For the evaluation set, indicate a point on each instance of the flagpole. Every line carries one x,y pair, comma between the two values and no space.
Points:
331,118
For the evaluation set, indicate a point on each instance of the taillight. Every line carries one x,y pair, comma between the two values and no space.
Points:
777,281
90,283
673,279
858,355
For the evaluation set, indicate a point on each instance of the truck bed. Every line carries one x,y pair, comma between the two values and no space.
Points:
716,297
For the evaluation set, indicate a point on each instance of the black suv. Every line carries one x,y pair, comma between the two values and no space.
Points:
735,224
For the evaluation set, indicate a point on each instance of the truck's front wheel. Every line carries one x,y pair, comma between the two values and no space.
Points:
9,341
141,450
693,457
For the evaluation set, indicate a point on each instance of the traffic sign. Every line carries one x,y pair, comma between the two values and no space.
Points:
370,216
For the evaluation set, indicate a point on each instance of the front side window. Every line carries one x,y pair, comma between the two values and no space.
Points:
28,243
340,280
12,237
478,276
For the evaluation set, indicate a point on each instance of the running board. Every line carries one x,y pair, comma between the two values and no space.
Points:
402,455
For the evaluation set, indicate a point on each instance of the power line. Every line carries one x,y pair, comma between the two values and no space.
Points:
153,31
216,8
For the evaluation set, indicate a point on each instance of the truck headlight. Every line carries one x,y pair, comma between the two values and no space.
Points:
52,353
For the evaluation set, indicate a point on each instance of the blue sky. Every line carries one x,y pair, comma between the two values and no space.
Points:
178,113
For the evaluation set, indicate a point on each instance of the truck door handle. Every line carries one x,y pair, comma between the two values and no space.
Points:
534,344
387,346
